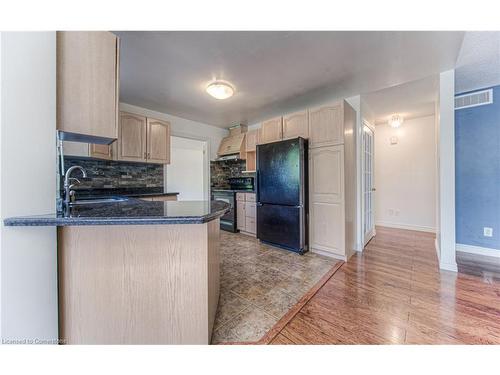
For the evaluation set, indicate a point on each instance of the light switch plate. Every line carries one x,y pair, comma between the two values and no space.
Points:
488,232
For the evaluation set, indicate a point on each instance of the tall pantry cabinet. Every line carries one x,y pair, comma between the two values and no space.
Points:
332,179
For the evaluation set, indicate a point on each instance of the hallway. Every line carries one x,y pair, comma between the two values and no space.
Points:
393,293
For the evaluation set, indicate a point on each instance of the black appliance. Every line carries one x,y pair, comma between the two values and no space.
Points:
282,208
228,222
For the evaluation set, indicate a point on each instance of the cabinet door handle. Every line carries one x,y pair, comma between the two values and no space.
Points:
149,155
145,155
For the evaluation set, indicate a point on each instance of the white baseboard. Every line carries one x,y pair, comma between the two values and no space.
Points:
419,228
328,254
477,250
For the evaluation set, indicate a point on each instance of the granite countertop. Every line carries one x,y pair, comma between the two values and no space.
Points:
236,190
129,212
127,192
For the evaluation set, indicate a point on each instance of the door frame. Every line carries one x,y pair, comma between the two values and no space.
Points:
365,239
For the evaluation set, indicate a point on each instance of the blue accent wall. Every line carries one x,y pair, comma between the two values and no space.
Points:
477,173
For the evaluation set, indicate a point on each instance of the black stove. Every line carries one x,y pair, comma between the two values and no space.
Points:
229,221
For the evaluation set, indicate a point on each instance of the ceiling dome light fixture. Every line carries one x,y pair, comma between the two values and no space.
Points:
220,90
396,121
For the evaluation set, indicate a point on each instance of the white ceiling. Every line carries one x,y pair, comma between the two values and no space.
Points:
410,100
273,72
478,63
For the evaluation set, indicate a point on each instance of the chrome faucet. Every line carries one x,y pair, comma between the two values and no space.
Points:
68,193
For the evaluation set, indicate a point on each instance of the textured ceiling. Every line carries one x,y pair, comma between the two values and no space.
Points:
410,100
478,63
273,72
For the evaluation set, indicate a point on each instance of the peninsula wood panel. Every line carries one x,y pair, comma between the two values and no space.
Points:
296,125
326,126
138,284
87,82
271,130
158,141
213,275
132,144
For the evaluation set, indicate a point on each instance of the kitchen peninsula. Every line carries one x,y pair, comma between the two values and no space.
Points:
136,272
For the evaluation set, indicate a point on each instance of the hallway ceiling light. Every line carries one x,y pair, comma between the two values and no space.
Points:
220,90
396,121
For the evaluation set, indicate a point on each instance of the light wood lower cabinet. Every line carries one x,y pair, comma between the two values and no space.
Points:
246,213
160,198
143,139
240,215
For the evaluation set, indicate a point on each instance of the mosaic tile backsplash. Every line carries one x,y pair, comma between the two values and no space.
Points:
104,174
221,171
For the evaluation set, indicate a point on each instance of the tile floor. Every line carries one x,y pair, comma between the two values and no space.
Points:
259,284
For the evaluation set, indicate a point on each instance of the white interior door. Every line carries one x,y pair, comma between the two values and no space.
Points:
187,171
368,184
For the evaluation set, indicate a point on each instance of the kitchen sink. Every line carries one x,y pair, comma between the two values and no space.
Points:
82,202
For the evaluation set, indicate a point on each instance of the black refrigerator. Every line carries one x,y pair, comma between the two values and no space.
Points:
282,194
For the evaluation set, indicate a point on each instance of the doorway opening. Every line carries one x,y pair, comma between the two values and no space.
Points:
187,172
399,162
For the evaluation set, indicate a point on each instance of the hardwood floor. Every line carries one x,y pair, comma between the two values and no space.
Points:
394,293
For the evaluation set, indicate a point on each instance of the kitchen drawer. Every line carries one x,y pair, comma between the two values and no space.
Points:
251,209
251,226
250,197
240,197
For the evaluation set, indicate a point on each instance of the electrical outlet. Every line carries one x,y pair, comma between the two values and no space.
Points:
391,211
488,232
396,212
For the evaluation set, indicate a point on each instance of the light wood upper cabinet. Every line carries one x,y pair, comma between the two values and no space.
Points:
132,137
143,139
271,130
87,83
158,141
252,138
101,151
296,125
326,125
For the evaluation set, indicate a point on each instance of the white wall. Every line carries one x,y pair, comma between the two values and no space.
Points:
186,169
405,175
185,128
28,185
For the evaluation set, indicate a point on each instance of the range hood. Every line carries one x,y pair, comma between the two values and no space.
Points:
233,147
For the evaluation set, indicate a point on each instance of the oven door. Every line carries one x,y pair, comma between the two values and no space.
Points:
227,221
